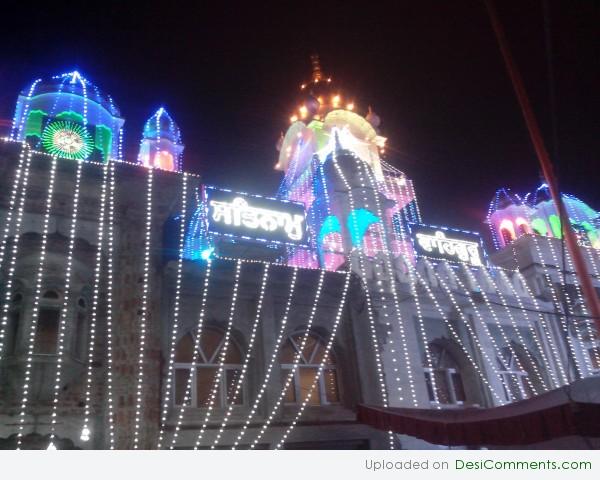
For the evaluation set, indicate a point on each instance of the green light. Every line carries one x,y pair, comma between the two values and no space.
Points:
67,139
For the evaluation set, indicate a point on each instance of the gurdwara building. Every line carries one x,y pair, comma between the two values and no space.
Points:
144,309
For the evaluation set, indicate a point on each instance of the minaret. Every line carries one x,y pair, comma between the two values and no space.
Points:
161,145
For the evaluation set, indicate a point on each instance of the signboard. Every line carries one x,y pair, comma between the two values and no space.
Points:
253,217
443,243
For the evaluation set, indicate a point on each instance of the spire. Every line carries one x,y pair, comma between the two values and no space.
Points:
316,65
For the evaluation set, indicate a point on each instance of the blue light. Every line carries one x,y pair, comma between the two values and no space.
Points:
205,254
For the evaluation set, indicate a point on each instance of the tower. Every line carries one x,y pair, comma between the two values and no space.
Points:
161,145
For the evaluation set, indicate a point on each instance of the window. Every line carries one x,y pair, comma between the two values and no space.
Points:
46,335
516,381
205,373
445,374
507,236
326,390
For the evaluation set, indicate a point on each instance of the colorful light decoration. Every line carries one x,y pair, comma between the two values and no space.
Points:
72,98
67,140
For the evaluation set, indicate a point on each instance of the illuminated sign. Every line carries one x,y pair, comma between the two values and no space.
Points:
255,218
449,244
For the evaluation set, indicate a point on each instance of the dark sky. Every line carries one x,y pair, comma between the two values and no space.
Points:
431,70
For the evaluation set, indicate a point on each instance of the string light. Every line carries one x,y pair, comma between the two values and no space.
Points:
240,380
557,306
199,327
176,307
518,333
334,328
144,311
457,337
222,354
36,303
297,356
85,430
272,360
404,343
110,305
8,290
66,297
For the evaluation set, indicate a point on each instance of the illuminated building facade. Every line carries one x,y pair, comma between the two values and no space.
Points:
143,309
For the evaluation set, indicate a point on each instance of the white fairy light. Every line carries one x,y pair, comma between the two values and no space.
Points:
272,360
66,297
545,328
455,334
392,282
240,380
328,347
11,204
144,311
85,430
297,356
109,307
14,251
557,306
36,303
498,323
222,354
518,333
534,335
176,307
199,327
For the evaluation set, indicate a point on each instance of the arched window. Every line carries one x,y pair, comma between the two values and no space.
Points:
14,324
444,374
204,374
326,390
515,380
46,335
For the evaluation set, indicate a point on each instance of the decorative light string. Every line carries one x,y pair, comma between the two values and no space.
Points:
85,430
328,347
455,334
518,333
14,253
199,327
110,306
404,343
297,356
369,302
498,324
273,359
222,354
577,333
36,303
546,330
176,307
534,335
144,311
66,299
12,203
249,352
557,306
589,327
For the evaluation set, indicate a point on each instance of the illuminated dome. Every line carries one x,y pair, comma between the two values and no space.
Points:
161,145
69,116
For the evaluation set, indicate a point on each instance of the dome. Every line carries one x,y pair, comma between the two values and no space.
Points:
68,106
161,145
161,125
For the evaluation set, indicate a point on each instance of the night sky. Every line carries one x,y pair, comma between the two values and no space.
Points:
431,70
